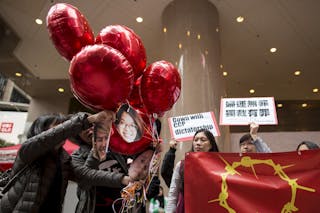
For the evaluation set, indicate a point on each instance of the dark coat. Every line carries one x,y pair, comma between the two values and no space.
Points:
31,190
86,192
168,166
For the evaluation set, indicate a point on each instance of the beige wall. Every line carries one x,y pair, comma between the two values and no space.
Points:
52,104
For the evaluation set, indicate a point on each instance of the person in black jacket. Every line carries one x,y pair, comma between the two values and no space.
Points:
93,198
43,185
168,162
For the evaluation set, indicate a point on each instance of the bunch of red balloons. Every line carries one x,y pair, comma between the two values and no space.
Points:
110,70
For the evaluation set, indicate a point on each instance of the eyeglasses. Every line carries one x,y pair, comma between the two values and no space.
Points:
131,126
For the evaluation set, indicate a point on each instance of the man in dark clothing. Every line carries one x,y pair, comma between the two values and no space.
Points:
94,198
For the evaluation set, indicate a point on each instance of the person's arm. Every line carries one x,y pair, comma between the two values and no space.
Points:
39,145
261,146
153,189
174,190
168,163
88,174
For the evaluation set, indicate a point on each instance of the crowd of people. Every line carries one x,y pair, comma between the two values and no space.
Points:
101,174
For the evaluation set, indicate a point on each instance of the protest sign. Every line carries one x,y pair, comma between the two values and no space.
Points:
182,128
242,111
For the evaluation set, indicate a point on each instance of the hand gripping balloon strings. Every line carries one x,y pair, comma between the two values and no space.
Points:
130,196
154,167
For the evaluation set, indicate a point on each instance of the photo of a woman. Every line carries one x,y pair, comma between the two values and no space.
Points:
129,124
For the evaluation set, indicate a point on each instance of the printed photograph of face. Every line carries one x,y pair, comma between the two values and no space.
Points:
129,124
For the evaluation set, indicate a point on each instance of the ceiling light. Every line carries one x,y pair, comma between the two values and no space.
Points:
139,19
188,33
221,66
240,19
164,30
225,73
304,105
315,90
273,49
198,37
217,29
38,21
279,105
18,74
251,91
180,46
61,90
298,72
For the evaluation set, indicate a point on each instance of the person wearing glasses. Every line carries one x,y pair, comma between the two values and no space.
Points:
129,124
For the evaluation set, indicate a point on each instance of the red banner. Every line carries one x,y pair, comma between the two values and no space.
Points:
275,182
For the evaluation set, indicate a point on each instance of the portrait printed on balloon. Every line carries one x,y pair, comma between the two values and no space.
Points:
129,124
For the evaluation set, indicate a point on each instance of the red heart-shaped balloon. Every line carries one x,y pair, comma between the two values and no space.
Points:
101,77
135,97
128,43
160,79
68,29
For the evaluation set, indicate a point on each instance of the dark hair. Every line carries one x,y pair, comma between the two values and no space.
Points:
309,144
212,140
245,137
43,123
135,116
96,127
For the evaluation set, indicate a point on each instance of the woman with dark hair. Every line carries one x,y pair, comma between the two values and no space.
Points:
307,145
203,141
129,124
42,186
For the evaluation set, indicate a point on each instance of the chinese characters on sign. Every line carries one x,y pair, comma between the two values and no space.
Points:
183,127
241,111
6,127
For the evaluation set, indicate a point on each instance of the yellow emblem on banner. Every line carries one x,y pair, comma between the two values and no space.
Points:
247,161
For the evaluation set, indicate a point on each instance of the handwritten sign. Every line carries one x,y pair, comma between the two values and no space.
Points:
182,128
242,111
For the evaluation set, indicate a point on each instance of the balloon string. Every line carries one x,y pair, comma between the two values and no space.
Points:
109,135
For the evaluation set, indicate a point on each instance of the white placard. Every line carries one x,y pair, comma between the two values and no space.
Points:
12,124
182,128
242,111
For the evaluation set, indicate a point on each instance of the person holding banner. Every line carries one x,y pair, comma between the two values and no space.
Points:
203,141
251,143
307,145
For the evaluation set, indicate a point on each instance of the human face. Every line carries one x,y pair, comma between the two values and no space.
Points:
102,139
201,143
303,147
127,128
247,147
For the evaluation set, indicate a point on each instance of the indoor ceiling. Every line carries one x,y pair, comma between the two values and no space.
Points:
291,26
